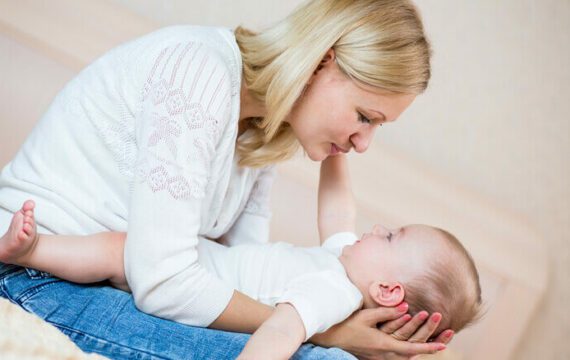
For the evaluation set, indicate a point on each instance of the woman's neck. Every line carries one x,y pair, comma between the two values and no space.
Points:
250,107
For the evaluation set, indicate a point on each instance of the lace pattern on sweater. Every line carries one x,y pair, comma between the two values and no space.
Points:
258,202
186,103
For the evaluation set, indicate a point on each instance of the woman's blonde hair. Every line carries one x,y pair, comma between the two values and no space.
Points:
377,42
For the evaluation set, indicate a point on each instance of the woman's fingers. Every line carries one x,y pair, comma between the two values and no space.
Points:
406,331
382,314
359,334
391,326
445,336
407,348
427,329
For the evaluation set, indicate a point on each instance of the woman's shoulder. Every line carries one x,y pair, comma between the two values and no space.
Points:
219,37
173,47
217,41
164,51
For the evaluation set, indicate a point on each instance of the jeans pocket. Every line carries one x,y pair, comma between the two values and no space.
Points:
26,284
36,274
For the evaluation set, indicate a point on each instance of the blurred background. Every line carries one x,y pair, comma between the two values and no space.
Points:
484,152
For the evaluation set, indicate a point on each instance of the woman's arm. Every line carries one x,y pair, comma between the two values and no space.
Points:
181,130
243,314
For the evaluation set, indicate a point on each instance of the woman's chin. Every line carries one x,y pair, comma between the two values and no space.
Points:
317,156
315,153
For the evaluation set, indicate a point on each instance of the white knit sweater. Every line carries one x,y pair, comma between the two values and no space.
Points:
143,141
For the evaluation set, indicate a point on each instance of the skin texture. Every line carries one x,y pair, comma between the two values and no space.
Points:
328,111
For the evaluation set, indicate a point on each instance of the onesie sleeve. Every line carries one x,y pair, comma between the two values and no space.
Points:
336,242
184,112
252,226
322,299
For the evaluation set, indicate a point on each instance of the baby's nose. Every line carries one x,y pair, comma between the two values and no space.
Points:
380,230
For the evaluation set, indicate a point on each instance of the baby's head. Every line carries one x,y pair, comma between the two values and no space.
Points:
425,266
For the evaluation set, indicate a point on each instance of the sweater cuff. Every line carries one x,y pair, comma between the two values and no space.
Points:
205,308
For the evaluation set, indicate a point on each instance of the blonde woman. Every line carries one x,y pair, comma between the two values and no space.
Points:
172,137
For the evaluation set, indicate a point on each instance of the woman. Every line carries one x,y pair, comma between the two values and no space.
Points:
164,138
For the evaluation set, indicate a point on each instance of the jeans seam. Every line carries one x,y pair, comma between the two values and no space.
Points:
3,287
5,293
26,295
64,329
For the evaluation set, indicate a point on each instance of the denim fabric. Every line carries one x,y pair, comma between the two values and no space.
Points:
104,320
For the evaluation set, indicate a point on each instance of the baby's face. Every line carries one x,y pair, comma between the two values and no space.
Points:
393,254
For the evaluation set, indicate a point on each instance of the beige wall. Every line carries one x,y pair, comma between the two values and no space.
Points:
495,117
16,95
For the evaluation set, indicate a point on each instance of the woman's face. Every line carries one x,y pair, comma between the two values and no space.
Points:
335,114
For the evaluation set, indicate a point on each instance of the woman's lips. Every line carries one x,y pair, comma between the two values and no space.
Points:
335,149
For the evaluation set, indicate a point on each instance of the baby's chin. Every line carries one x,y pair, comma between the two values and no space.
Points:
346,250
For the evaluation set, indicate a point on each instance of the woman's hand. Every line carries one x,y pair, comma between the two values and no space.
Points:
360,336
417,329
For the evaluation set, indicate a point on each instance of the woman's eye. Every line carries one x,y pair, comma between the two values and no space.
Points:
363,119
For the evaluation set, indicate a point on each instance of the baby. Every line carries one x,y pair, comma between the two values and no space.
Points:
313,288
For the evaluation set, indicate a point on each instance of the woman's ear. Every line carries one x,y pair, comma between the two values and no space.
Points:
386,293
329,58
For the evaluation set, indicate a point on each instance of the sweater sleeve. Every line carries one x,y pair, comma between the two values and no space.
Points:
185,109
252,226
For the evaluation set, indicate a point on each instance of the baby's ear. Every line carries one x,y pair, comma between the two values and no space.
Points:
386,293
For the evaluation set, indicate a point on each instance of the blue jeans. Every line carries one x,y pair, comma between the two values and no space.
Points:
104,320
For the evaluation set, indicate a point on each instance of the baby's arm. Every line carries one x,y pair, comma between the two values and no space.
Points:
278,337
337,210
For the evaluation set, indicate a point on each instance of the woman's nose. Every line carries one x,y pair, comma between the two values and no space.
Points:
361,139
